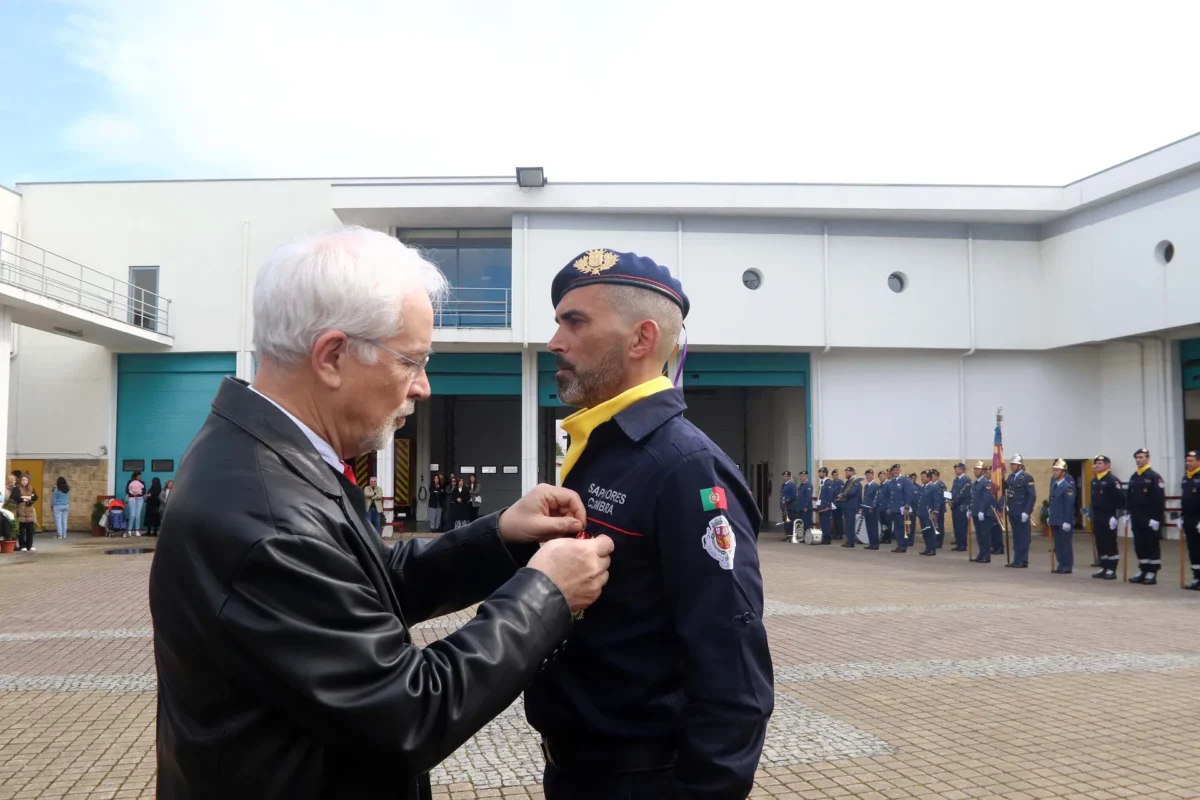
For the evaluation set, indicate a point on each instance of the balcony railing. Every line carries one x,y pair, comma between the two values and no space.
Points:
37,270
476,308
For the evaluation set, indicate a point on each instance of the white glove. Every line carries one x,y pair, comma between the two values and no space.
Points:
1153,524
1024,518
1112,523
1198,527
1066,527
981,516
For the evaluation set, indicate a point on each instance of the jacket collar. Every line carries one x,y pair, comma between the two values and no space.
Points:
259,417
650,413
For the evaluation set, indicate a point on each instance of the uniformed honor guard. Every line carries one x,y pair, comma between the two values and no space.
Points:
1021,499
804,499
1062,517
788,505
882,501
837,485
1108,506
983,510
849,504
1147,503
1190,502
869,512
925,514
937,514
900,508
960,506
665,686
825,506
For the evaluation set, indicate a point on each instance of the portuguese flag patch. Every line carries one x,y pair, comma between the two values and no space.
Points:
713,498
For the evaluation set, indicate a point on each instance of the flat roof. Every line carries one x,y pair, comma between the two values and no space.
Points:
369,198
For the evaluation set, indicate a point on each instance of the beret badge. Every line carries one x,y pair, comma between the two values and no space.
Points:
596,261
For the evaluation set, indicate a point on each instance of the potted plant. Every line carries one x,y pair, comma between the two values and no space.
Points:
98,510
8,532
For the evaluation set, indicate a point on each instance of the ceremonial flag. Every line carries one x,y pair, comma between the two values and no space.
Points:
998,464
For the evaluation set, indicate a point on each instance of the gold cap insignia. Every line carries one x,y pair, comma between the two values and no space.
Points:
596,261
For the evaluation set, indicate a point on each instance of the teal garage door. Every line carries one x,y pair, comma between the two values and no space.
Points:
475,374
162,400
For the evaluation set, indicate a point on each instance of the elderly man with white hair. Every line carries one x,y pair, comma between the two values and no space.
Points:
281,620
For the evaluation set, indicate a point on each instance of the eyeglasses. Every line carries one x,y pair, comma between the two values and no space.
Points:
420,365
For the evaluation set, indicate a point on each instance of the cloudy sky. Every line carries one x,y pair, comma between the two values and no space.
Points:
1009,92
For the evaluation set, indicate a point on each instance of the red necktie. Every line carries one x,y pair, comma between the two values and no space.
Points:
348,471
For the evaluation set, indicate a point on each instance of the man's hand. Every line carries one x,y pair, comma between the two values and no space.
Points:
578,567
547,512
1066,527
981,516
1112,523
1154,524
1024,517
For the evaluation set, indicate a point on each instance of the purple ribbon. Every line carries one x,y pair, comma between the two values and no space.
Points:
682,359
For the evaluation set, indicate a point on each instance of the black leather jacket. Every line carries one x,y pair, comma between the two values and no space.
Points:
285,666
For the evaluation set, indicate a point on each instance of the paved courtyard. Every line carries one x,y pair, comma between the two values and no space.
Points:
896,677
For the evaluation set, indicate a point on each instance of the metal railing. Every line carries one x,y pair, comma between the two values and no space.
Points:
48,274
468,307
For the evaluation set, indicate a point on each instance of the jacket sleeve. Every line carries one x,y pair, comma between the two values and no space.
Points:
328,655
432,577
1159,492
716,597
1032,494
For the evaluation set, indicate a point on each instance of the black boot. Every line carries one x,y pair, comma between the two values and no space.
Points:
1151,579
1139,578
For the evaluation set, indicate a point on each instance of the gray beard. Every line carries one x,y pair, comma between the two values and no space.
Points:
385,434
591,388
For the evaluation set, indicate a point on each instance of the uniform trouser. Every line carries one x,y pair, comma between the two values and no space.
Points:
826,518
1022,535
983,536
961,520
1146,543
997,537
871,520
1064,548
1108,551
839,528
1193,542
806,518
939,524
885,525
928,533
652,785
848,515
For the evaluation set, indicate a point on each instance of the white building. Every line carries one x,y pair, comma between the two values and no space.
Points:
830,324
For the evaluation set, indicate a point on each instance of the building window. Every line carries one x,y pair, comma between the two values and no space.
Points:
478,264
143,297
897,282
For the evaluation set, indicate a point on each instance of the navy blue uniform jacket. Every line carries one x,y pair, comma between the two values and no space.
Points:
675,646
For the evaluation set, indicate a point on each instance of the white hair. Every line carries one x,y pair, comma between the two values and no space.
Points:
351,280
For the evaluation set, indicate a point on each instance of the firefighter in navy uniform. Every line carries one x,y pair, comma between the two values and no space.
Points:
960,506
1146,499
882,501
838,518
983,509
870,513
665,686
1022,497
900,508
1189,497
849,505
1108,506
804,498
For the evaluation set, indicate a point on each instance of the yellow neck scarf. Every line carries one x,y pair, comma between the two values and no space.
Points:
1100,475
579,426
1142,470
1194,473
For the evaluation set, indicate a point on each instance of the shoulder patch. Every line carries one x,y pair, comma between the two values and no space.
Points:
719,541
1161,485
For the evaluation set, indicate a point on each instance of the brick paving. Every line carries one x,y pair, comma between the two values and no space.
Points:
896,676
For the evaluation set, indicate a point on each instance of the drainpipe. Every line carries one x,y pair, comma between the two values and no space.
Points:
1142,362
825,320
1168,421
962,360
524,281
